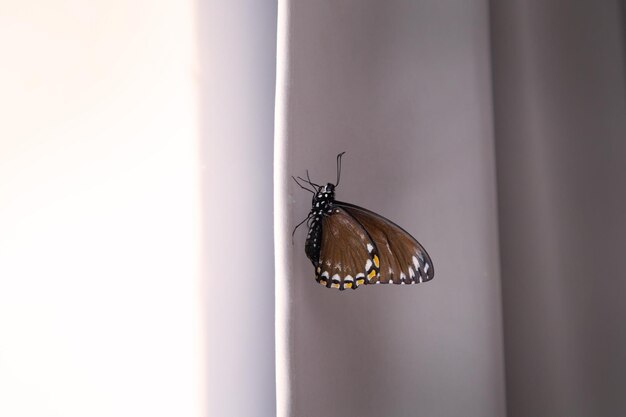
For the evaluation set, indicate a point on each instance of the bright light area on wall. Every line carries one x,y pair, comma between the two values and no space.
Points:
100,309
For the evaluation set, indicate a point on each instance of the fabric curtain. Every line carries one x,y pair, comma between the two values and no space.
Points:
404,88
237,50
560,123
496,134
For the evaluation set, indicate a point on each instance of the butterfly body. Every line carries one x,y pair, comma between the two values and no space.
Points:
350,246
321,206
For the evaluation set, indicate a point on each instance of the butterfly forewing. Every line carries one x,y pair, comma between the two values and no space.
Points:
403,260
348,256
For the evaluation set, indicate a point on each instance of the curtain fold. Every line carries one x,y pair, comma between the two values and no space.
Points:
404,88
237,43
560,118
421,94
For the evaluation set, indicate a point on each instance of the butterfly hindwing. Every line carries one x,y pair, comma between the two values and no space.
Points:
348,256
403,260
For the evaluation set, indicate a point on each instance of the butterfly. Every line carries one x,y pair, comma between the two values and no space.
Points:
351,246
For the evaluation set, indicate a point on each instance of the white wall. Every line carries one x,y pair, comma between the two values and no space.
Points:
99,223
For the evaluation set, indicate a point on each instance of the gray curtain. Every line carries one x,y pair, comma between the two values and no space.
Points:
496,134
560,118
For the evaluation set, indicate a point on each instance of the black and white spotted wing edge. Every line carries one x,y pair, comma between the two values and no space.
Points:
403,260
348,256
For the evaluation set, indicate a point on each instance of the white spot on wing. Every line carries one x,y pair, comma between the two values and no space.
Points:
325,274
426,266
368,264
370,248
348,278
411,272
415,263
336,277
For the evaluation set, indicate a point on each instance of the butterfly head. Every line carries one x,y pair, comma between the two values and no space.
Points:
327,191
324,196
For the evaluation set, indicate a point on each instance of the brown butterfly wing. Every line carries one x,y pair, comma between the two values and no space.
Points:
403,260
348,256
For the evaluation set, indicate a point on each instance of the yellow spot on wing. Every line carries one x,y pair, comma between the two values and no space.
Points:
360,281
334,285
371,274
347,285
375,258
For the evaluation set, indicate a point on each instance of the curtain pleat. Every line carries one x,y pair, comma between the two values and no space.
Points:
403,87
560,118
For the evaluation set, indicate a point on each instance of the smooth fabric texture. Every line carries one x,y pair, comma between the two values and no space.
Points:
404,88
560,116
237,96
421,94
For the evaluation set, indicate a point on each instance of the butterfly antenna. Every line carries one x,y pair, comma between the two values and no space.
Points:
309,178
302,186
296,228
339,167
308,182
